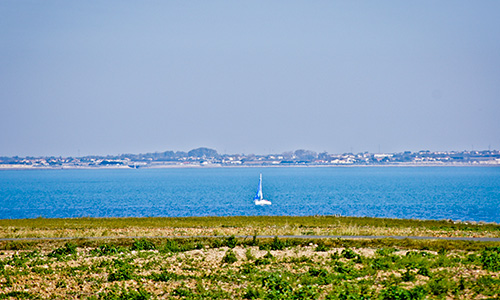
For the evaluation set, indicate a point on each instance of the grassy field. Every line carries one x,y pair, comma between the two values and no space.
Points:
263,225
247,268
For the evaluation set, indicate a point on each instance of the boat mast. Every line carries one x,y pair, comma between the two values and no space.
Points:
261,196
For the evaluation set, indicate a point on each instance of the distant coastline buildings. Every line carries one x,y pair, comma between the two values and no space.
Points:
206,157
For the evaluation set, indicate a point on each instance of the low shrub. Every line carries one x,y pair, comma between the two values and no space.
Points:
247,268
490,259
348,253
385,251
249,255
230,257
424,271
440,285
264,260
252,293
107,249
487,285
322,248
382,263
230,242
143,244
182,291
278,244
305,292
408,276
276,287
123,271
217,243
165,276
318,272
398,293
170,246
124,294
19,295
68,249
350,291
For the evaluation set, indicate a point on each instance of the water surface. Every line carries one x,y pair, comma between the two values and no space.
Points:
458,193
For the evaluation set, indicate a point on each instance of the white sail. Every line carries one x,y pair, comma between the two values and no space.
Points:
259,197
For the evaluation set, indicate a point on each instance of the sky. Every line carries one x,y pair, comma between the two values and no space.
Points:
112,77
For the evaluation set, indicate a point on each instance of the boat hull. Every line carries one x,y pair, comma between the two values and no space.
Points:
262,202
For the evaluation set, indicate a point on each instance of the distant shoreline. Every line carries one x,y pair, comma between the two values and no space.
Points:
212,166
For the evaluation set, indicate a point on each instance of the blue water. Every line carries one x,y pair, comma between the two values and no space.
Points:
458,193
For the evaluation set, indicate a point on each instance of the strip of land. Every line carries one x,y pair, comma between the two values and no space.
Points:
336,226
309,237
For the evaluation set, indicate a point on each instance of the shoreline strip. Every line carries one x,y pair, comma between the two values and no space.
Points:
368,237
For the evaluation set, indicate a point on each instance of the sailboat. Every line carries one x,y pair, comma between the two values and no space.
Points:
259,197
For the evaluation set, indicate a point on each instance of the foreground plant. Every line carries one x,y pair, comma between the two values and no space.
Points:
229,267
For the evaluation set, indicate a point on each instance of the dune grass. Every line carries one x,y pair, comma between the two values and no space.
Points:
264,225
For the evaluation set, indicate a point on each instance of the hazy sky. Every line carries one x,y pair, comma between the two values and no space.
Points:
111,77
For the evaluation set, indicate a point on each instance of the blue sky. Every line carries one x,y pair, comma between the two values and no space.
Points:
111,77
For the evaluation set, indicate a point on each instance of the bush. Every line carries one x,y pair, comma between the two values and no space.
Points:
230,257
143,244
254,242
68,249
382,263
348,253
318,272
231,242
125,294
182,291
305,292
19,295
424,271
408,276
490,259
349,291
487,285
317,276
439,286
277,244
124,271
414,259
249,254
321,248
252,293
217,243
276,286
171,246
262,261
385,251
121,274
345,268
165,276
247,268
107,249
19,260
398,293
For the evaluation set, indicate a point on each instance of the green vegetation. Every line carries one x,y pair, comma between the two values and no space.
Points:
228,267
247,267
243,221
249,226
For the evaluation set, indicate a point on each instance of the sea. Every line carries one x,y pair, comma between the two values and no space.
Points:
436,193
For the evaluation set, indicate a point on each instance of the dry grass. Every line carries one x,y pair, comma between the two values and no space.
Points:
209,226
